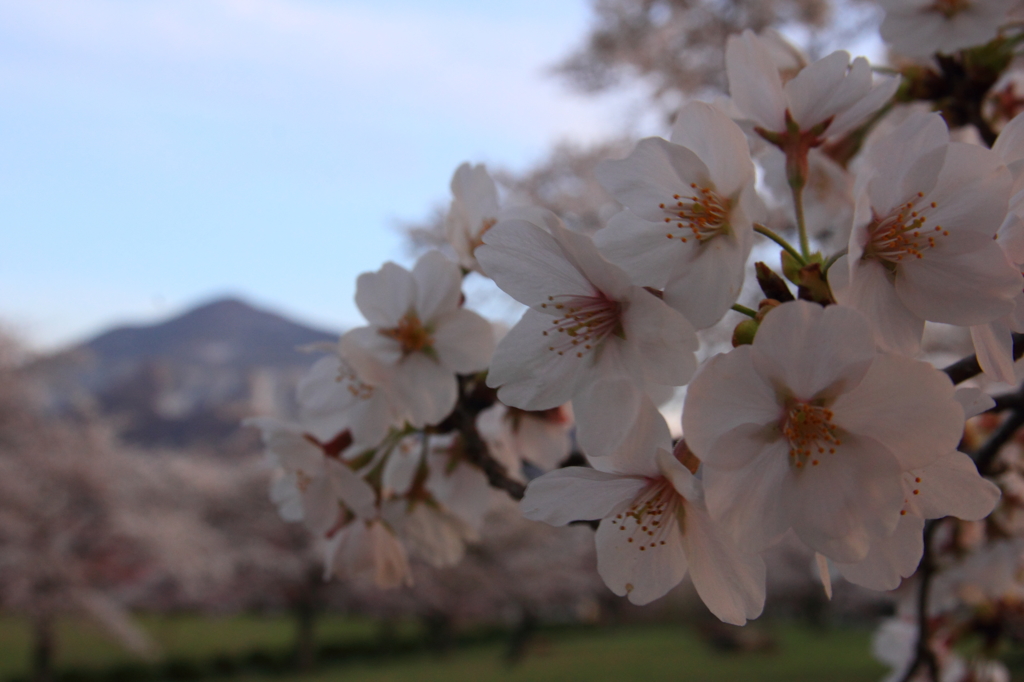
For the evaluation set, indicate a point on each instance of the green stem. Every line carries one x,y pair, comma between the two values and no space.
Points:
832,261
749,312
801,223
764,231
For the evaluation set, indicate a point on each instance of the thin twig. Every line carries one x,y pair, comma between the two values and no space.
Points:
985,456
923,654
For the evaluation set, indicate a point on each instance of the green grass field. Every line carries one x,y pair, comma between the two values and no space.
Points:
641,652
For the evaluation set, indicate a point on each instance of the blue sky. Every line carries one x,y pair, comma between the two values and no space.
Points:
157,154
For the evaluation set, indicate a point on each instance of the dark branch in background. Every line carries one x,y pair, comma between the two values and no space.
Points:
967,368
923,654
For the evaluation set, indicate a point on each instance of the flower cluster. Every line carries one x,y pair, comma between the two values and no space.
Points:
823,423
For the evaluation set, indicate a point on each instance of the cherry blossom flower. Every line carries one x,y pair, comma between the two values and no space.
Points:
920,28
689,206
654,527
811,428
513,435
826,99
586,323
474,210
421,336
922,246
367,549
311,486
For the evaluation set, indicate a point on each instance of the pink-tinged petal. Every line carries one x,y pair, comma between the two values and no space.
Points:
813,351
748,503
438,286
890,559
464,341
852,496
869,289
424,391
729,581
474,186
528,264
383,297
320,508
642,248
906,405
578,494
401,467
754,82
1010,143
650,177
821,89
529,375
366,347
351,489
711,280
740,446
463,491
718,142
662,342
952,486
709,411
974,401
965,290
619,428
907,161
642,576
971,196
580,250
881,92
993,344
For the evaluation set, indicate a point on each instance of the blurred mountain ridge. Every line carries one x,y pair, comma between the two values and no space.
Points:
184,383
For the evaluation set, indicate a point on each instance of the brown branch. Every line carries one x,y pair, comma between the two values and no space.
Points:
923,654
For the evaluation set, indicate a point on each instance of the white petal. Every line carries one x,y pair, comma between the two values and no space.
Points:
906,405
718,142
422,390
383,297
711,281
821,89
661,338
993,344
645,575
754,82
890,559
578,494
974,401
464,341
952,486
618,427
438,286
870,291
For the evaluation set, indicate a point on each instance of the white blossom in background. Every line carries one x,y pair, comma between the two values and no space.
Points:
587,323
811,428
367,550
473,211
419,334
922,246
827,98
921,28
689,208
654,528
310,486
513,435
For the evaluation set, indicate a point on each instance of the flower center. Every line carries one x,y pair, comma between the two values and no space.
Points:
902,234
582,322
701,215
411,334
811,433
651,516
359,389
950,8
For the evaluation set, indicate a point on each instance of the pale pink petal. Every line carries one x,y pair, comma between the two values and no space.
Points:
661,341
822,89
365,347
580,250
350,488
709,411
711,281
729,581
618,427
464,490
383,297
966,289
754,82
740,446
642,576
654,172
748,503
528,264
952,486
850,497
578,494
718,142
424,391
463,341
320,508
829,356
1010,143
890,559
870,291
907,161
974,401
993,344
906,405
527,374
438,286
881,92
685,483
971,194
642,249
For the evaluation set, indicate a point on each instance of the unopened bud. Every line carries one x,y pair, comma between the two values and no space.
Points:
744,333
